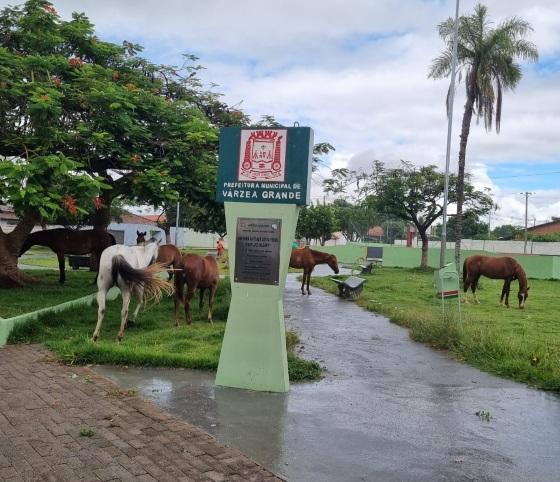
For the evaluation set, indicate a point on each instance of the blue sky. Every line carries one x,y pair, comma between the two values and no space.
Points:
356,72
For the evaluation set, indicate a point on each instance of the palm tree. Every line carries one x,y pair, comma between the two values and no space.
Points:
486,59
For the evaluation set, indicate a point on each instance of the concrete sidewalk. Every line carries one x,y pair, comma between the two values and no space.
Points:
44,406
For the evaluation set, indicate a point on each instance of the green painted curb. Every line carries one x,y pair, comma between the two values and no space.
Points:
7,324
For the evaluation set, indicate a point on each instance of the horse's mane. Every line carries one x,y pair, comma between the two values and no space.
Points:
319,254
521,276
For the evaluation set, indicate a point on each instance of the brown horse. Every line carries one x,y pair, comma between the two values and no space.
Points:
168,254
197,272
307,259
69,241
505,268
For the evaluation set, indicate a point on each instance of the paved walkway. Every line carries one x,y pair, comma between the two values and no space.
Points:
46,407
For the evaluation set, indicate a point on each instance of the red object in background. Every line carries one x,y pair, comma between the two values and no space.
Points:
50,9
98,203
76,62
409,235
70,204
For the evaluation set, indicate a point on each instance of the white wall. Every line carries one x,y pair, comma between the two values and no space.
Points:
130,231
508,247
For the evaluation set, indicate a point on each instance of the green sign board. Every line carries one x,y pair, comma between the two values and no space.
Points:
265,165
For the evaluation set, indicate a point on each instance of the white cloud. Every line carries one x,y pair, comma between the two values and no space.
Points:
357,73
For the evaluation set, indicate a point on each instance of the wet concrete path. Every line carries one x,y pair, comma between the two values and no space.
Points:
388,409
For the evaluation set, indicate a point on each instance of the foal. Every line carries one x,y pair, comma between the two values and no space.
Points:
197,272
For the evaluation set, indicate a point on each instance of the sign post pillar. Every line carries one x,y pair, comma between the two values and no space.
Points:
263,179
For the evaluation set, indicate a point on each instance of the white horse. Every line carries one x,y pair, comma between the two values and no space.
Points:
127,267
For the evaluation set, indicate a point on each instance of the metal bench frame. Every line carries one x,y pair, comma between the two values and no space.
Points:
77,262
351,287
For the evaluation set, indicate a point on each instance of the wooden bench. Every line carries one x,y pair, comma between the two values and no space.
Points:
351,287
77,262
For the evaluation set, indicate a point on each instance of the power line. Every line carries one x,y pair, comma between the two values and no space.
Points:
525,175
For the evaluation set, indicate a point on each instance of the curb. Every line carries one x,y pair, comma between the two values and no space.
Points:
7,324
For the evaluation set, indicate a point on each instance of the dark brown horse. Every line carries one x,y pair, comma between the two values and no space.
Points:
168,254
306,259
505,268
69,241
198,273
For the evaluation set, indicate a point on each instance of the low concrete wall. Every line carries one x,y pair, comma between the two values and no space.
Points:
536,266
506,247
7,324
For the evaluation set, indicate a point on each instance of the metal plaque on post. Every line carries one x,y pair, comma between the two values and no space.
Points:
257,247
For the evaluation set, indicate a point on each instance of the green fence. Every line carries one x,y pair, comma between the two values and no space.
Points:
536,266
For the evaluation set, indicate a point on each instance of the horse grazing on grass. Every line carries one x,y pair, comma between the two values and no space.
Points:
307,259
127,267
168,254
197,272
505,268
69,241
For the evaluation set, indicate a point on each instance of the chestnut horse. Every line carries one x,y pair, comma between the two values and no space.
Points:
505,268
307,258
196,272
69,241
168,254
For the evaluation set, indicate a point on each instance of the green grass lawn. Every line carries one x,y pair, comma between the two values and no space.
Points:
47,292
152,341
51,262
520,344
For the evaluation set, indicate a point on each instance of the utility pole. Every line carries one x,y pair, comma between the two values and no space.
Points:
177,224
527,193
443,248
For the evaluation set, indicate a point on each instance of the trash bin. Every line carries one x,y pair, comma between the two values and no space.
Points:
446,281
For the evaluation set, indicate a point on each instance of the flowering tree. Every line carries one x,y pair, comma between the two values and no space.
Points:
83,122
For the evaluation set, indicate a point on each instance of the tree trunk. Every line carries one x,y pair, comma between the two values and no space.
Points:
10,247
167,231
425,246
465,129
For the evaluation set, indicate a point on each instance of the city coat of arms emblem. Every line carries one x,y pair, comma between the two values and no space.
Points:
262,155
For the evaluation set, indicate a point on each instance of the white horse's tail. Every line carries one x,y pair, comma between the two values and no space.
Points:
154,286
